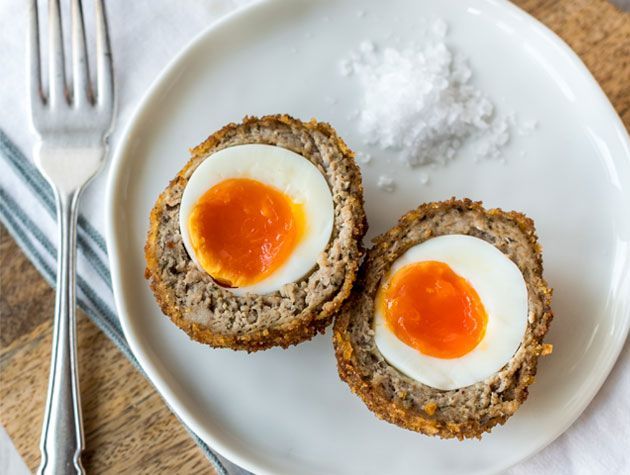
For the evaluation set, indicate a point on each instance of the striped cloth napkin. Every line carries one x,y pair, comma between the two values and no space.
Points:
146,35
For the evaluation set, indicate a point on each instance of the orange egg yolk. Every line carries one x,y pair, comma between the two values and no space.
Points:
242,230
434,310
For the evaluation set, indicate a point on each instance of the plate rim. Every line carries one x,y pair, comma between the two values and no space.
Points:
607,361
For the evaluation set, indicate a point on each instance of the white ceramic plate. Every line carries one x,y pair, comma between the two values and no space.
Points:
286,411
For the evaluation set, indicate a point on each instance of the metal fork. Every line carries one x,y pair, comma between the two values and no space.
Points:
72,119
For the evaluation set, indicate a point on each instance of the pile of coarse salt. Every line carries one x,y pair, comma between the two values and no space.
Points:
420,101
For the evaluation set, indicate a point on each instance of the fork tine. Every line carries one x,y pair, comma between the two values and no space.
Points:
56,71
82,92
104,70
36,94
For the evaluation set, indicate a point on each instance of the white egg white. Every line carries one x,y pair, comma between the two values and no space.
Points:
503,292
285,170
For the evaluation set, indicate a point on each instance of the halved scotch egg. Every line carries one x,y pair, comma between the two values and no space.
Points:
444,327
257,241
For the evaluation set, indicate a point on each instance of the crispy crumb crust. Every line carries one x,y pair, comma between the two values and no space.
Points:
296,330
428,418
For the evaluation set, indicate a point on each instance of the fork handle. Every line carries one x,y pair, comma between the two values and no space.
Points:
62,433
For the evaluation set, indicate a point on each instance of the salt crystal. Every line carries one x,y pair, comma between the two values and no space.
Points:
364,158
424,178
386,183
483,149
440,27
527,127
353,115
420,100
345,67
367,47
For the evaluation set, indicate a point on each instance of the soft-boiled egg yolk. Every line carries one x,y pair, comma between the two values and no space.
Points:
242,230
434,310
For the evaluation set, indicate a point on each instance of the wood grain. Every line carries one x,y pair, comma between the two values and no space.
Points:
600,34
128,427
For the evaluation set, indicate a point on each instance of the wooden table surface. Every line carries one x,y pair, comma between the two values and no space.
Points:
128,427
